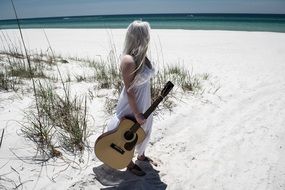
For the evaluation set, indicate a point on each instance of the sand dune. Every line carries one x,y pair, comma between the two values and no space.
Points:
233,139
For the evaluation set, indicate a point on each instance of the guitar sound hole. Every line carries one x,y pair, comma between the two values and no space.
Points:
129,135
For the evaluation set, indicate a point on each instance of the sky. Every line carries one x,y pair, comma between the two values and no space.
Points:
52,8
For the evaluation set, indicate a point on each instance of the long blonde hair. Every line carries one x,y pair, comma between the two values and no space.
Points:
136,42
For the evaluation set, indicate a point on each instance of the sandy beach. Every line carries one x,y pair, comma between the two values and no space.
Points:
231,139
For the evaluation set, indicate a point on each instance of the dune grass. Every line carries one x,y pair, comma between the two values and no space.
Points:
61,121
8,83
57,122
54,122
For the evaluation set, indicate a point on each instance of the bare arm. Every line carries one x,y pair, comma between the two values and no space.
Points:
128,67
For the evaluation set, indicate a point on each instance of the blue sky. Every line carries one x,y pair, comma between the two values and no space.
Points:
50,8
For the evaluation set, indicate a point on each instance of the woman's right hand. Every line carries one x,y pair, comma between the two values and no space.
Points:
140,118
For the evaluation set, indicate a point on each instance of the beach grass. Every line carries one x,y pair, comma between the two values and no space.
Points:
57,122
66,115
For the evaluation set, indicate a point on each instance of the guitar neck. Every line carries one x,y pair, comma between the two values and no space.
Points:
152,107
167,88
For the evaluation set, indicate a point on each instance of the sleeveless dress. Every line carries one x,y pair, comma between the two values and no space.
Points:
141,87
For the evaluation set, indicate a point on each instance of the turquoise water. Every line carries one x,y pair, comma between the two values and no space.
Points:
239,22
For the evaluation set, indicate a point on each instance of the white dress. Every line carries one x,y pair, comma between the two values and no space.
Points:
141,87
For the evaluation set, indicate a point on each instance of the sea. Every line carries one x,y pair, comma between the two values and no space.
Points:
234,22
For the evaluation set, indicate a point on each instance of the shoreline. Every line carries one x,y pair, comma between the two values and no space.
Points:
123,28
103,28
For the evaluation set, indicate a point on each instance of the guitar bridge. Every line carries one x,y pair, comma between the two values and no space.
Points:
117,148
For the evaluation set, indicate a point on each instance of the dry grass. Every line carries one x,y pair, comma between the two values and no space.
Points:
58,122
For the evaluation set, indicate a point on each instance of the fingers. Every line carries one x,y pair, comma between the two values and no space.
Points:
142,122
140,118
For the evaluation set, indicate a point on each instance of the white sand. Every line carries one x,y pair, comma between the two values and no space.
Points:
234,139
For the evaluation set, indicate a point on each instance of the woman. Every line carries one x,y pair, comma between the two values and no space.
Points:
135,97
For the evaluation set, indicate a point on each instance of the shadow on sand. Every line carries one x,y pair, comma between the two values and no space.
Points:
125,180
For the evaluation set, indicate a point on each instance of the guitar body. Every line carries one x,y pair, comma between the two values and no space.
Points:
116,148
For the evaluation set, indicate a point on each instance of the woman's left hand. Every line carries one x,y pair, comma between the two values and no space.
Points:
140,118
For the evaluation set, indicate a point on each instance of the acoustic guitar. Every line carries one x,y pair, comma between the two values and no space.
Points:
116,148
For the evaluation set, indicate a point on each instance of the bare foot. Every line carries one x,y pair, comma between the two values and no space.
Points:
135,169
147,159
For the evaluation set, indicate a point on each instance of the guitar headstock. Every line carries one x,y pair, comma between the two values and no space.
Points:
167,88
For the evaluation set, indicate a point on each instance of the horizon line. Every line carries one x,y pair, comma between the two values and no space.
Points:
139,14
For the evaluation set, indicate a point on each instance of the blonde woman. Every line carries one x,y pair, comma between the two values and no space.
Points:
135,97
